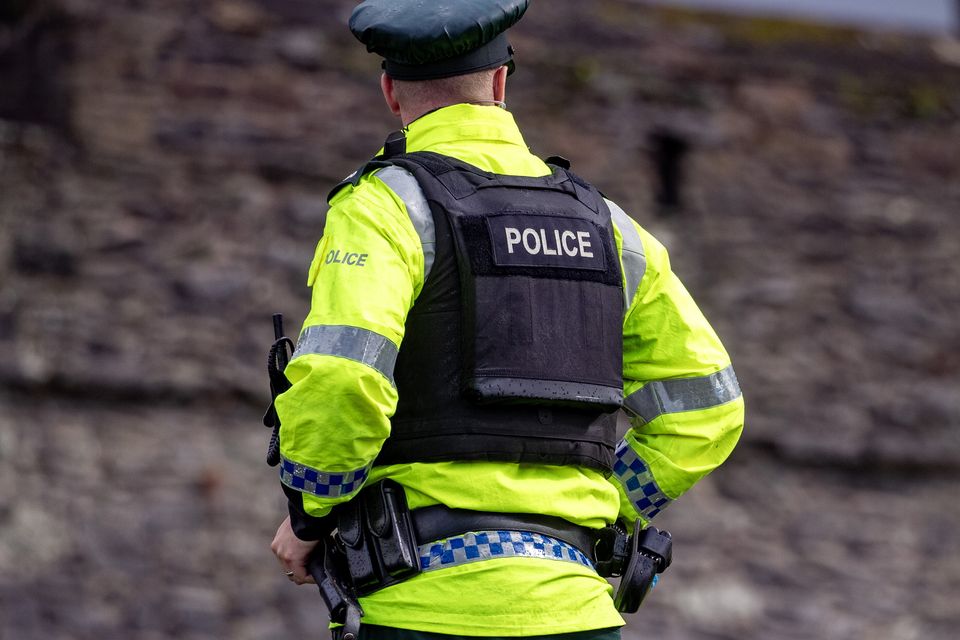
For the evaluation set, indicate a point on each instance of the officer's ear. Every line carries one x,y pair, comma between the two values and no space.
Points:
500,84
390,94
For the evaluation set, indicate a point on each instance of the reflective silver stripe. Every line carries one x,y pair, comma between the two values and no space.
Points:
487,545
638,482
683,394
326,484
353,343
634,259
402,183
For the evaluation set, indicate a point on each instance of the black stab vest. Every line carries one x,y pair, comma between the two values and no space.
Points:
513,349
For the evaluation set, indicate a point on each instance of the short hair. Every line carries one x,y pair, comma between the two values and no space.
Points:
470,87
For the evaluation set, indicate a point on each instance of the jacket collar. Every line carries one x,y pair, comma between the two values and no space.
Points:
460,123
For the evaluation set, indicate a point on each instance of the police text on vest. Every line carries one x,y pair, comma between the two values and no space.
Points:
539,241
545,241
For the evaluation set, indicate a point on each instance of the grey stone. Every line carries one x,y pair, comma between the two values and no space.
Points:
303,49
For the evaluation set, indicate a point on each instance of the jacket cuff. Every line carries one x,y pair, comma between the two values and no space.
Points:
305,526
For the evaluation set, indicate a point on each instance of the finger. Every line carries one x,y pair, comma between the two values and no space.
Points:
286,564
301,570
279,537
300,565
275,548
299,576
283,563
300,573
292,569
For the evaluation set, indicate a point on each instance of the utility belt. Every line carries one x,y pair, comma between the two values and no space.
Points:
379,542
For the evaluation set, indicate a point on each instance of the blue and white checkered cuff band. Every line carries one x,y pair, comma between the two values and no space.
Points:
487,545
638,482
326,484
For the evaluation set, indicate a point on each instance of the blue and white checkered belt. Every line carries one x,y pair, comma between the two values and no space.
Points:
459,537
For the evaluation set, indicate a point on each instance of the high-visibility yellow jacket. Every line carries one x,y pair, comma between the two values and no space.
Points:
683,398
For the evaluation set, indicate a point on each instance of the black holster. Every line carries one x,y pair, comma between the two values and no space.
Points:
636,558
328,569
377,537
374,547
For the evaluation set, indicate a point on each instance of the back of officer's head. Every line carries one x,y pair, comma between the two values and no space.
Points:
470,87
443,51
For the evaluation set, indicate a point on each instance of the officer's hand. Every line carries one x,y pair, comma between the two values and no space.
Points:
293,553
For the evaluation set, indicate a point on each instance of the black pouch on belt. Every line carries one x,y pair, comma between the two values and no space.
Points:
377,535
635,558
649,552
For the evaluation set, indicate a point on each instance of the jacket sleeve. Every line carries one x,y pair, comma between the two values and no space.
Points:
680,392
365,275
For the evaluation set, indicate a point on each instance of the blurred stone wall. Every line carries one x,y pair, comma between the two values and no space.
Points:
163,171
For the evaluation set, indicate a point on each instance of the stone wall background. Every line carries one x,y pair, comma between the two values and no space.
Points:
163,167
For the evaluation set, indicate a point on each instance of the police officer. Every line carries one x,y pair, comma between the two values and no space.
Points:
477,317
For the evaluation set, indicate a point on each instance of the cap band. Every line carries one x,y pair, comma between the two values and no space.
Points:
495,53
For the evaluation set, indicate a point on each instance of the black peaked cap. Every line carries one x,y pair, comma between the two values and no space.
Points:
423,39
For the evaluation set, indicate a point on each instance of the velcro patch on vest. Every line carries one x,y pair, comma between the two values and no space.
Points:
545,241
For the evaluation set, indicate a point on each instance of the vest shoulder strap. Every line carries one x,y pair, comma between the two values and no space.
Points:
395,145
355,177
